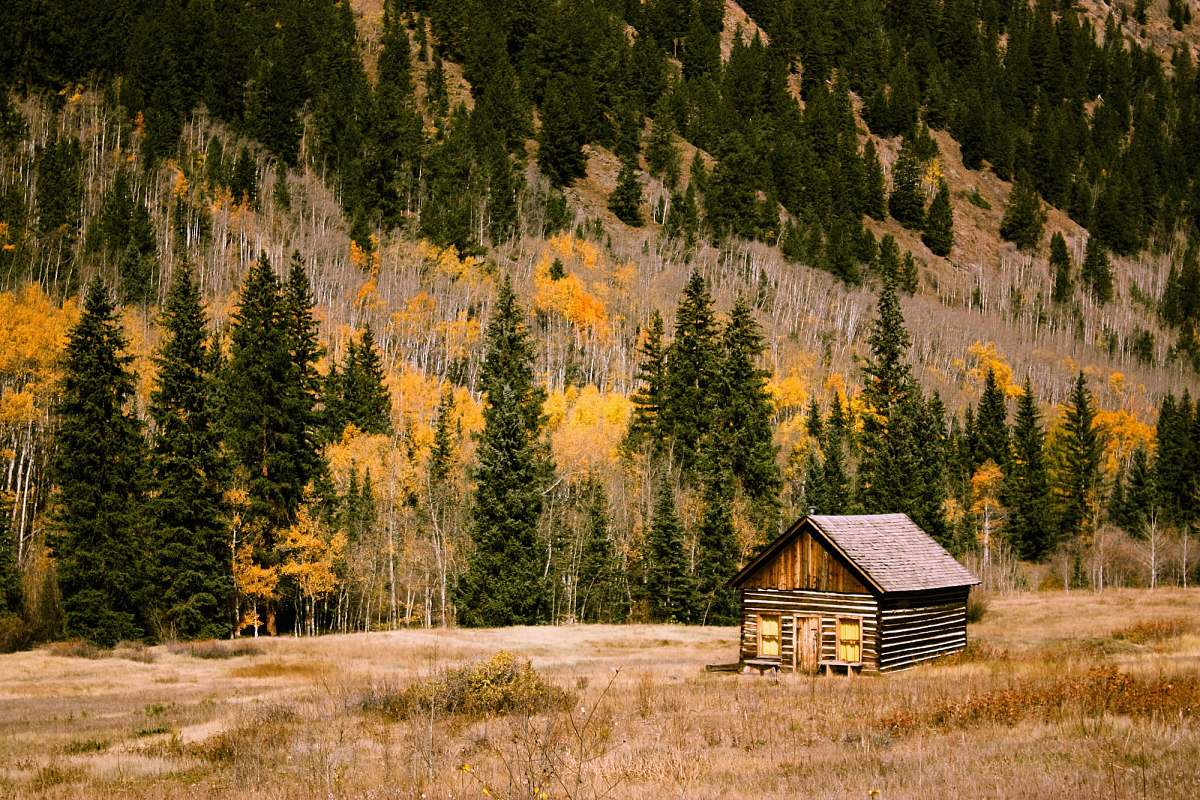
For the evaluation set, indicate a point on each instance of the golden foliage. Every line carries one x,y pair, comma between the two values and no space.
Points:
312,555
1122,433
981,358
570,298
33,336
586,427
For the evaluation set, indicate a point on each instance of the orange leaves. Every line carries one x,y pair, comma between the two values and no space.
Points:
586,427
180,185
448,263
568,297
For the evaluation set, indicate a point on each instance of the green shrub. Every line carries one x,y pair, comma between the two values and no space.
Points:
501,685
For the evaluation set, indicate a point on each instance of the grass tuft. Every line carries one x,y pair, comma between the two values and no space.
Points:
213,649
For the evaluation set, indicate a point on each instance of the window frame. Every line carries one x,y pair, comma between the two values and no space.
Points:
837,637
778,617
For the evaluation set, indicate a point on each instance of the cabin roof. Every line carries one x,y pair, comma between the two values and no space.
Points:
890,551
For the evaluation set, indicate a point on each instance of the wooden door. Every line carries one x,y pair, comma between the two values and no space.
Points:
849,640
808,643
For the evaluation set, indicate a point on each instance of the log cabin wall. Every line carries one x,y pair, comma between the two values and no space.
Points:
919,626
827,605
806,563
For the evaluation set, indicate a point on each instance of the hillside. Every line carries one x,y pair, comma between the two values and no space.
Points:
414,155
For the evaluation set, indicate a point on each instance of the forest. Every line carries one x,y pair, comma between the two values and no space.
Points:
333,316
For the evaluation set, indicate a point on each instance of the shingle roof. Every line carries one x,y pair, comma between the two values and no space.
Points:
890,551
893,552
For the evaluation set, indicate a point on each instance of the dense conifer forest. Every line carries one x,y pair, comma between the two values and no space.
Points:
328,316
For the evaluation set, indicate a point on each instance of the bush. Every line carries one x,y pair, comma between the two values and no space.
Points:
501,685
14,633
1155,630
213,649
977,606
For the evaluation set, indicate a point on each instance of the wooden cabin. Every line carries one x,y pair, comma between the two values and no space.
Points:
870,593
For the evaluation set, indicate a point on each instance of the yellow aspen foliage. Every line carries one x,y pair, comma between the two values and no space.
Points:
986,485
33,336
417,317
448,263
312,555
180,186
459,335
984,356
1122,433
568,297
255,584
586,427
1116,383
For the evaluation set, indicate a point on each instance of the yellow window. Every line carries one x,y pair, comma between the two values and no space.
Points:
849,640
768,635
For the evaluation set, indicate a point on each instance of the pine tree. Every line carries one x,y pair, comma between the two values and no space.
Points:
562,136
600,595
645,427
991,425
716,542
365,401
874,193
1030,526
1175,452
938,234
304,388
1096,271
98,538
1138,501
835,483
814,484
693,361
503,583
669,584
662,156
11,594
243,182
190,568
1023,215
907,203
1077,477
1060,263
743,416
257,382
887,385
626,199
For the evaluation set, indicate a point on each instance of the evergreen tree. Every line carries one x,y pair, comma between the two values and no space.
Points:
1060,263
835,483
190,568
814,484
1096,271
1030,524
887,385
669,584
626,199
304,387
503,583
1077,477
258,381
693,361
716,542
1023,215
907,202
683,218
562,136
1175,453
991,425
1136,500
600,595
645,427
243,182
98,539
743,415
365,401
10,574
662,156
874,194
938,234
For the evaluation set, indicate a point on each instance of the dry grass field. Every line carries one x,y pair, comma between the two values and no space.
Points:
1060,695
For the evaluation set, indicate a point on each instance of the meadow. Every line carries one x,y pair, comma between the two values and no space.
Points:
1058,695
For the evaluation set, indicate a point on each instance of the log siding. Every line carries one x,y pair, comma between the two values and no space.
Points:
921,626
827,605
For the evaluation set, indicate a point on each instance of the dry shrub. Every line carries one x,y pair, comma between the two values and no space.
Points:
53,775
214,649
977,606
268,729
1103,690
1155,631
14,633
132,651
977,652
85,746
283,669
78,648
498,686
